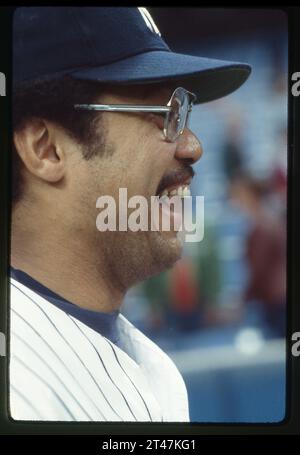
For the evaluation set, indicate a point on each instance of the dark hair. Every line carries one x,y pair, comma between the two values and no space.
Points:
53,100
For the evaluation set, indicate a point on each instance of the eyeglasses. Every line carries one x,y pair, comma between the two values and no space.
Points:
176,112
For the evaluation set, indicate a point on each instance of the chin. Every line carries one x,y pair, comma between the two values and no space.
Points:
145,256
167,249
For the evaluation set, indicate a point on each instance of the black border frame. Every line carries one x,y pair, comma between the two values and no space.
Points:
291,424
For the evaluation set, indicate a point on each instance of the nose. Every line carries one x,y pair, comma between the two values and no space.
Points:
188,147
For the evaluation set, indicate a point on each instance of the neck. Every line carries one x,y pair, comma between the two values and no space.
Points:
67,265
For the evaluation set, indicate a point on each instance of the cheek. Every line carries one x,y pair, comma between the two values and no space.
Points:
141,155
146,166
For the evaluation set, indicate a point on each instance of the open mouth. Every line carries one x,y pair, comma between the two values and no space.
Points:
176,183
181,191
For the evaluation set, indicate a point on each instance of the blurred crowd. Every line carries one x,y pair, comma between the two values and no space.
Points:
187,296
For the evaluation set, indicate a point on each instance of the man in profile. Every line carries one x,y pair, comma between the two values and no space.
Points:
100,103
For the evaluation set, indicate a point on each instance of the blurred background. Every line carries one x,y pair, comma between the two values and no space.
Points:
220,312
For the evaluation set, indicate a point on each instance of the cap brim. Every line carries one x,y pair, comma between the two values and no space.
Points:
208,78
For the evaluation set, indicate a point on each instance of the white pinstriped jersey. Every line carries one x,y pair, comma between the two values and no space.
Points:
62,370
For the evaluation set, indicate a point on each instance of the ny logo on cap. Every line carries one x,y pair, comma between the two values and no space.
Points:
148,20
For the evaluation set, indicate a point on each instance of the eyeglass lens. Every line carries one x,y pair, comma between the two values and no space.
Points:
178,114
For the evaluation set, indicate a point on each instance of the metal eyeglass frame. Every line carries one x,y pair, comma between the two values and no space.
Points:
153,109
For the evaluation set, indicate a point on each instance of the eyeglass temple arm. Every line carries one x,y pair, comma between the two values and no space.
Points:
122,108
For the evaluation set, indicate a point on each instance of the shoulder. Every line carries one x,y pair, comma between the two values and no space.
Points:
47,346
36,353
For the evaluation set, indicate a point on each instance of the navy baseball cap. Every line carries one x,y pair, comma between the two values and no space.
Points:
113,45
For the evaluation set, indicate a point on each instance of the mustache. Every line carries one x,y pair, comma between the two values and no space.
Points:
176,177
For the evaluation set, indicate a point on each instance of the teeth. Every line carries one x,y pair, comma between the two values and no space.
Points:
181,191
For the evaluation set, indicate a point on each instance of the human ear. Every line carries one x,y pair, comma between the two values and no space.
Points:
40,150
